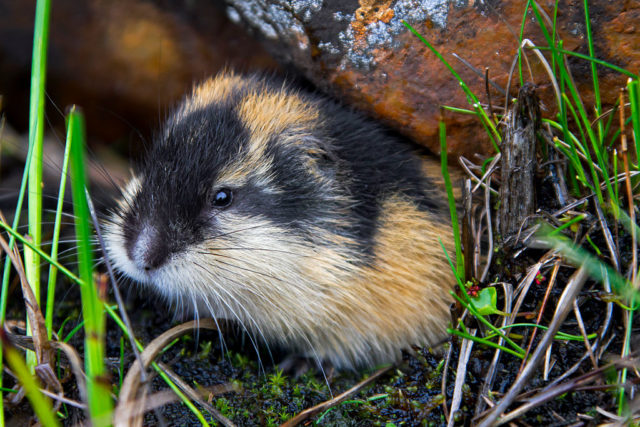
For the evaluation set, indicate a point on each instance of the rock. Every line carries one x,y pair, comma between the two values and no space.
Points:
361,51
124,61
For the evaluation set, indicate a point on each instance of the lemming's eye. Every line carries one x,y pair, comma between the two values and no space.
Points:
222,198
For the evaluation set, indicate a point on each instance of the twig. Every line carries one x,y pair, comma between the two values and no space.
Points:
114,285
552,280
48,376
336,400
461,373
445,371
36,319
467,237
480,74
510,78
580,154
525,283
632,212
76,367
611,415
477,240
131,383
607,236
194,395
548,362
486,89
555,168
141,406
583,331
464,163
487,214
547,67
568,373
138,407
608,113
570,206
490,168
62,399
606,345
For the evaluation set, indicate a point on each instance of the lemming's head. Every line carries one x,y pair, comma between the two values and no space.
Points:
237,187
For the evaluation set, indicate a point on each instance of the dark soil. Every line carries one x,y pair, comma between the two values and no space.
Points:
410,394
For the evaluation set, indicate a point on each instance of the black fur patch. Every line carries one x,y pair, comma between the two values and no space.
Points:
178,174
378,165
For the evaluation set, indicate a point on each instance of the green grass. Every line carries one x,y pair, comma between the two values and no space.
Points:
98,388
53,270
488,124
94,347
593,144
33,170
100,402
39,402
586,136
452,201
583,135
36,137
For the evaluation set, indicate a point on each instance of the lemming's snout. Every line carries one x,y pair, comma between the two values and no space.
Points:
149,250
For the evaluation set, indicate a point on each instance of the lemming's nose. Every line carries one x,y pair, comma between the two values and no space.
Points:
150,250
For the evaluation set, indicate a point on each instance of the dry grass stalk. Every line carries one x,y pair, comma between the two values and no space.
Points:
131,385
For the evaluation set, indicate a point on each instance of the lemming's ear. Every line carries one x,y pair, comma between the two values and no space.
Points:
321,157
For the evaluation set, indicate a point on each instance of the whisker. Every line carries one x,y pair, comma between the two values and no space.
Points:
234,232
243,308
210,250
294,329
249,270
253,291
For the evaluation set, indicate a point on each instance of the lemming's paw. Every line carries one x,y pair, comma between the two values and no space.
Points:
296,365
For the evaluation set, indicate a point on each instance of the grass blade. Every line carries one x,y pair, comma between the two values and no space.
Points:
36,131
471,97
98,390
452,200
112,313
594,71
39,402
53,270
589,58
36,135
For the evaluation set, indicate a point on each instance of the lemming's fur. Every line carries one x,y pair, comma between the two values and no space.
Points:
330,245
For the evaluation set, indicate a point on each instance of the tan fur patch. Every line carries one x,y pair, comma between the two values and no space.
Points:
402,300
213,90
271,112
267,114
409,287
238,173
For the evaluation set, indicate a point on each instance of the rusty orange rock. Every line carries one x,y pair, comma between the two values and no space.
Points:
130,58
363,53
